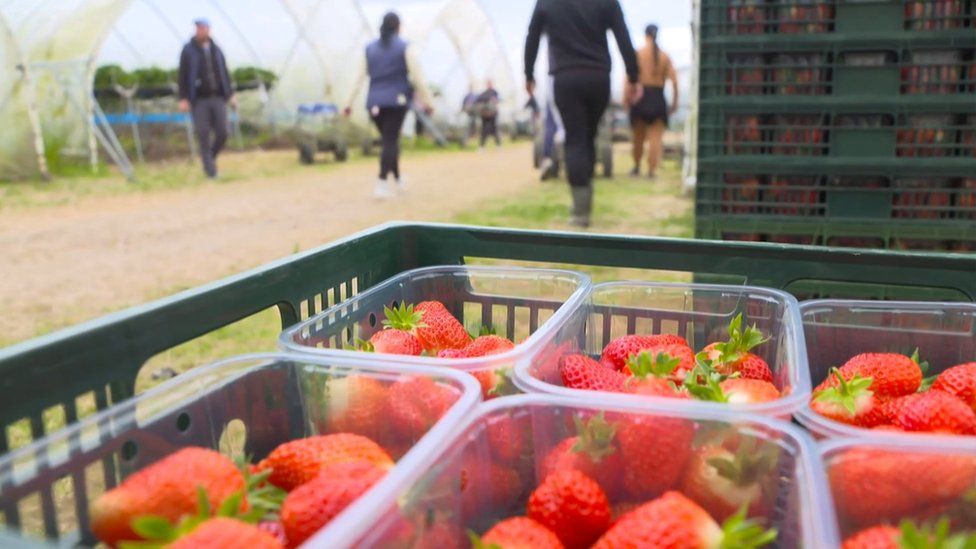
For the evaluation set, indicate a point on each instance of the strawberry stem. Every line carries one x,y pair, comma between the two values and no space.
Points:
740,341
595,437
703,382
403,317
643,365
743,533
846,392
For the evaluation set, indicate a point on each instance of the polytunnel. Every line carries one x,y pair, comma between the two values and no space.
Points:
21,137
313,47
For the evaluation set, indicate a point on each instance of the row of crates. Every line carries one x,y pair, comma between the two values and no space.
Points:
891,70
848,196
792,17
902,135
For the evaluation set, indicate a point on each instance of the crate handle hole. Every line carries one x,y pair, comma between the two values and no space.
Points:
372,320
129,450
183,422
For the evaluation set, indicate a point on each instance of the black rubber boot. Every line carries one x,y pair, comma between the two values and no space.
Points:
579,215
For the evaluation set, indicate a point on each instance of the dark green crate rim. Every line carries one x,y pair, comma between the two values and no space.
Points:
928,229
830,165
775,43
849,104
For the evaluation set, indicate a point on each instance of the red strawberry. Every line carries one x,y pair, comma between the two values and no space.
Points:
226,532
618,352
356,404
298,461
878,537
748,391
734,356
908,535
849,400
415,404
491,483
652,374
892,374
495,382
439,329
168,488
592,452
621,510
572,506
312,505
394,342
722,482
505,438
582,372
960,381
933,412
871,486
655,450
485,345
674,521
519,533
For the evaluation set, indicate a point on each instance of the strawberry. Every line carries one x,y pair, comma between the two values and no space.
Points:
933,412
582,372
652,374
505,438
312,505
871,485
893,375
849,400
439,329
298,461
908,534
572,506
723,482
226,532
705,383
495,382
620,510
616,354
485,345
394,342
414,405
356,404
960,381
168,489
673,521
734,356
491,483
654,450
518,533
592,452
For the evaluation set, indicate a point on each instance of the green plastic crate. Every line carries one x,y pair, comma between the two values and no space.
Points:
103,357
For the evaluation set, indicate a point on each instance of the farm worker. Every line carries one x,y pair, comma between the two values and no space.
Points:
649,116
394,78
579,61
205,92
488,109
469,107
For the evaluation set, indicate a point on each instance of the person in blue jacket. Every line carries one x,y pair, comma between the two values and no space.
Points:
394,79
205,90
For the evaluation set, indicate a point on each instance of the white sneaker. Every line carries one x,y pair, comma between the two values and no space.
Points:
401,185
382,190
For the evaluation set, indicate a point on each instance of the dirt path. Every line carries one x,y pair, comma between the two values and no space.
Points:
64,264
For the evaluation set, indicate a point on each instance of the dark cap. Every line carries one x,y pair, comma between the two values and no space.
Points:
201,22
651,30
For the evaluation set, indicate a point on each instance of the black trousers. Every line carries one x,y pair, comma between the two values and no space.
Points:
210,121
389,122
582,98
489,128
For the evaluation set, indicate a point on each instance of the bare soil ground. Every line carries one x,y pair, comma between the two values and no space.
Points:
70,256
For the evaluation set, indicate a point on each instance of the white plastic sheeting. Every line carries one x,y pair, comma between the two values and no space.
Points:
316,47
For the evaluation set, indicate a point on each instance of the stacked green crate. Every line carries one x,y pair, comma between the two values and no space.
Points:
838,122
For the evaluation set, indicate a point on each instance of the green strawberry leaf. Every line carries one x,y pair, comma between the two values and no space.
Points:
703,382
476,542
154,528
595,437
922,364
230,506
403,317
203,502
740,341
846,392
504,386
643,365
744,533
927,383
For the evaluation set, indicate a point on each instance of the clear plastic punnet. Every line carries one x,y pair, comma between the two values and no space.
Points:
700,313
881,486
524,305
493,463
244,407
944,334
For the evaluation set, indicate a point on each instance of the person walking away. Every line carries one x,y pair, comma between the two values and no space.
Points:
579,61
394,78
469,107
551,138
649,115
488,107
205,91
